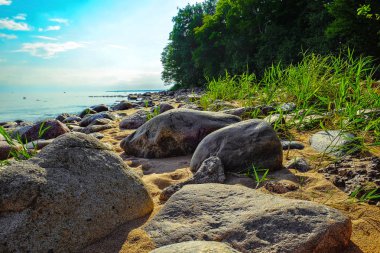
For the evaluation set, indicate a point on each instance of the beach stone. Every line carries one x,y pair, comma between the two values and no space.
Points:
249,221
299,164
94,128
74,192
98,136
292,145
64,116
72,119
196,247
190,106
123,105
99,122
174,133
54,128
288,107
38,144
163,107
211,171
86,111
101,115
5,150
240,146
100,108
135,120
333,142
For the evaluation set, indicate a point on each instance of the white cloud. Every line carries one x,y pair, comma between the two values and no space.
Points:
10,24
49,50
7,36
5,2
50,28
21,16
45,38
60,20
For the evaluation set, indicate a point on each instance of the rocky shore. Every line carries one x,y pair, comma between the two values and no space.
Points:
158,173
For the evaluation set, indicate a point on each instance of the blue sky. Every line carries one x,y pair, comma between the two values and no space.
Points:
84,44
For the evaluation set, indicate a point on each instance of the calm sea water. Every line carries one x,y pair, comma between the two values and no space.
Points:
37,106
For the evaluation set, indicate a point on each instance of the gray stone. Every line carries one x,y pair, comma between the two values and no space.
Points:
292,145
94,128
196,247
249,221
64,116
299,164
54,128
240,146
211,171
135,120
38,144
86,111
100,108
123,105
5,149
72,119
174,133
98,136
101,115
334,142
162,107
288,107
71,194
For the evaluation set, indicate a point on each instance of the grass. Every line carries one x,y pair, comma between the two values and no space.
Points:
156,111
259,175
363,195
338,89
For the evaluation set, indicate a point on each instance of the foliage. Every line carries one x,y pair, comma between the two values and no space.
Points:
156,111
259,175
363,195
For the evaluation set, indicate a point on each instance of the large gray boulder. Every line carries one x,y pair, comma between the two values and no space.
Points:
135,120
175,132
240,146
334,142
249,221
196,247
71,194
87,120
54,128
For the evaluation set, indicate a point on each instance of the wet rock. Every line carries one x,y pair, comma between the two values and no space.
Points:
135,120
53,129
249,220
334,142
174,133
211,171
196,247
241,145
74,192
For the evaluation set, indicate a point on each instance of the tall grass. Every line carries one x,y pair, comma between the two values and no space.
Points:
339,87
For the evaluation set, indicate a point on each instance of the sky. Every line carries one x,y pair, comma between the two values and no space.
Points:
84,45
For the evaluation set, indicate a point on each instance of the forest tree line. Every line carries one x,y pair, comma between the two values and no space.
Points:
241,36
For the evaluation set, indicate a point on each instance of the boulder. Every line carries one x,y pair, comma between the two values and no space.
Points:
100,108
196,247
299,164
241,146
174,133
211,171
161,108
38,144
291,145
334,142
123,105
249,220
90,118
72,119
74,192
54,128
86,111
64,116
5,150
135,120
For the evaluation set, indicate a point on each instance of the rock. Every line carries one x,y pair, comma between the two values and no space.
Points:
71,194
101,115
288,107
240,146
291,145
123,105
220,105
54,128
334,142
5,150
162,107
100,108
87,111
63,116
190,106
94,128
38,144
299,164
135,120
211,171
174,133
97,135
100,122
249,220
280,187
196,247
72,119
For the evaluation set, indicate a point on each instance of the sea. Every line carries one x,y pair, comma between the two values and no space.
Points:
38,106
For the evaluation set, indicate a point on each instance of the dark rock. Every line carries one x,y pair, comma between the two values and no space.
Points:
299,164
162,107
100,108
87,111
211,171
240,146
74,192
72,119
174,133
123,105
292,145
101,115
54,128
64,116
135,120
249,220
